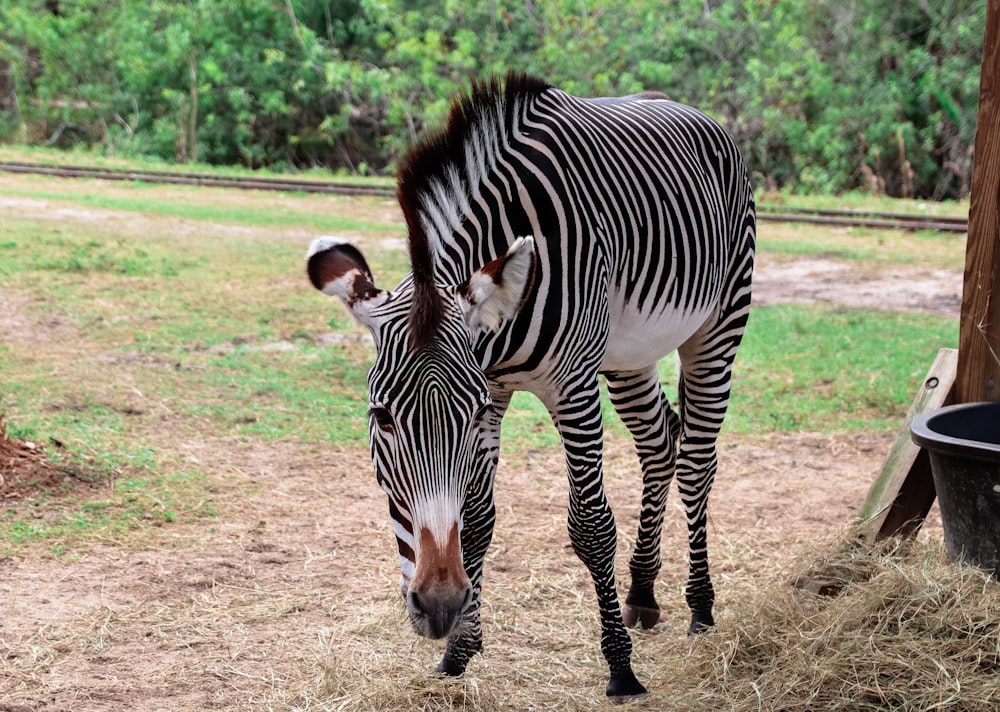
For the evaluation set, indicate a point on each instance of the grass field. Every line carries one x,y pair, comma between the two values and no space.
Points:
218,532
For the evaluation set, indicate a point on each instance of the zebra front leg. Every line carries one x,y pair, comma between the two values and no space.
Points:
592,532
639,400
467,638
479,519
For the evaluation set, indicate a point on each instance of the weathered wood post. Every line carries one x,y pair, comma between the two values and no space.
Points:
903,491
978,376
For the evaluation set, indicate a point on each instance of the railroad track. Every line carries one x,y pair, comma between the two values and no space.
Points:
255,183
862,218
765,213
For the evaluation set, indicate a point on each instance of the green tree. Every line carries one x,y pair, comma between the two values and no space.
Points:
59,68
822,95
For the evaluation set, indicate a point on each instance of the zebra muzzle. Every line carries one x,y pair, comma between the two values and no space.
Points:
440,592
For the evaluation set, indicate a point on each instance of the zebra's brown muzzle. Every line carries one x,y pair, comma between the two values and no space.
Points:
440,591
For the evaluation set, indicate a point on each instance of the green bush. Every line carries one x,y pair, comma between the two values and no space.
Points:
822,95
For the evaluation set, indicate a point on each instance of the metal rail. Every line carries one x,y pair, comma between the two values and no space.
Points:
845,218
255,183
863,218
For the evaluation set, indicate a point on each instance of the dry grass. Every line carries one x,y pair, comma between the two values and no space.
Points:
288,604
908,632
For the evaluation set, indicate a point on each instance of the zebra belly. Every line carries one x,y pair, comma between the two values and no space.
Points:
637,339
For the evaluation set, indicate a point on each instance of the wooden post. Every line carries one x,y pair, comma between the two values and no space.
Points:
978,376
903,491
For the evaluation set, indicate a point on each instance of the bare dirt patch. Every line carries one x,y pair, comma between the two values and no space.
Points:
23,467
893,287
26,470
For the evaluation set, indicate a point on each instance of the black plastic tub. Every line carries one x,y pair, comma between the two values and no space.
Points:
963,442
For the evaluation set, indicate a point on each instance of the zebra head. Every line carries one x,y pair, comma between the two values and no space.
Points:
434,434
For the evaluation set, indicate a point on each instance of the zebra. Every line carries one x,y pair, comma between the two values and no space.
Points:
552,240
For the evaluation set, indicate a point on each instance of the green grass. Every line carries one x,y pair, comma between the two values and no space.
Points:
832,369
919,249
298,390
864,201
88,158
135,502
817,368
148,199
827,368
55,251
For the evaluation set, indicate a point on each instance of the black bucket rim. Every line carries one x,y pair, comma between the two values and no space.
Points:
933,441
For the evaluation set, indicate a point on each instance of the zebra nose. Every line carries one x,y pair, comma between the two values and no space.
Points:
435,613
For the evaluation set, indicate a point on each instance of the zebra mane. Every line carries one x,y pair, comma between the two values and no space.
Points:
439,175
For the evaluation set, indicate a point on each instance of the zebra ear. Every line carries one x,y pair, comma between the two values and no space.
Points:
494,293
339,269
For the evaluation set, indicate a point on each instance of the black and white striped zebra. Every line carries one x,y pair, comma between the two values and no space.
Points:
553,239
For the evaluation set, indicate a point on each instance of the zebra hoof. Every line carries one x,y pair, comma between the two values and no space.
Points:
449,667
640,607
625,687
701,621
645,617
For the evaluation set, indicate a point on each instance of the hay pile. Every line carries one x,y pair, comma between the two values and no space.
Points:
907,632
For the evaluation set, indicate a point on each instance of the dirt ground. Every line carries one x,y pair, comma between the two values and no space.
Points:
266,607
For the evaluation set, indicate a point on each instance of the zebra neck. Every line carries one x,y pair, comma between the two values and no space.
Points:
455,188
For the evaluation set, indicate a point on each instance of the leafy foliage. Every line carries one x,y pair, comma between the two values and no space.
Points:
822,95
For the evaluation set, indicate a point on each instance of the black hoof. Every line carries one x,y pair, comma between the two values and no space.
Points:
701,621
624,687
449,667
640,606
645,617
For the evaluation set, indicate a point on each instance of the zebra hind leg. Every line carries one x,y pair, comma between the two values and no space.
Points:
706,364
694,484
640,402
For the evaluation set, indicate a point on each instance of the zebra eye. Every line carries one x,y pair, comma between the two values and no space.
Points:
382,418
